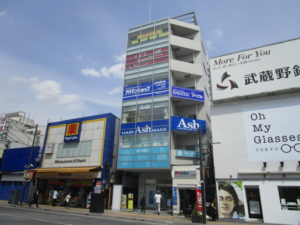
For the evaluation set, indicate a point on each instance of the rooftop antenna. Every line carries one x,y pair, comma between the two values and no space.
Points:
149,17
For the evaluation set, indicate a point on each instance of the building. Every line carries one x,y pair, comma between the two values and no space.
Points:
77,157
256,134
17,130
166,101
13,170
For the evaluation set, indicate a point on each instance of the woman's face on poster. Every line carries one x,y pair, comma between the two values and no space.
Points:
226,203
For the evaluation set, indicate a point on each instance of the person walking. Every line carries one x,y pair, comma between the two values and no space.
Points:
157,198
143,204
35,199
67,199
54,197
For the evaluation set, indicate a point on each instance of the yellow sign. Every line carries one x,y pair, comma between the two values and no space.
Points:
130,201
124,200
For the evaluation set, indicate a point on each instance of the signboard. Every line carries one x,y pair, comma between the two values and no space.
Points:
146,157
187,124
147,58
187,154
147,127
146,90
72,133
257,71
174,195
188,174
49,148
189,94
199,199
273,134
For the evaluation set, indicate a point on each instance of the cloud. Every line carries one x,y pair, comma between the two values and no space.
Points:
115,71
115,90
216,35
50,91
218,32
2,14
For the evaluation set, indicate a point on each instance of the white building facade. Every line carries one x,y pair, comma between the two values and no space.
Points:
256,132
166,100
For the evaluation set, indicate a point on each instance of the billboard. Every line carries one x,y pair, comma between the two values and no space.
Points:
187,124
147,58
189,94
160,87
261,70
272,134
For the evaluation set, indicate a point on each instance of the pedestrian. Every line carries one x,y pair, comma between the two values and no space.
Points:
157,198
35,199
67,199
54,197
143,204
187,207
212,210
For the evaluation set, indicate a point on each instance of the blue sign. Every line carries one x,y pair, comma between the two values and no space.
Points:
174,195
148,157
187,124
160,87
187,154
147,127
189,94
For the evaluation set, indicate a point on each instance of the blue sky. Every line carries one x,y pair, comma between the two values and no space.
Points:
61,59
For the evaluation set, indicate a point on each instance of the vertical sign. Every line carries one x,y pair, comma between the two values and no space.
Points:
174,196
199,199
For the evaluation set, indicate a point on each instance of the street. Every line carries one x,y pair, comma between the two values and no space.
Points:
27,216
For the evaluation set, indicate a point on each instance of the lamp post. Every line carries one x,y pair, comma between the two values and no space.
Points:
202,175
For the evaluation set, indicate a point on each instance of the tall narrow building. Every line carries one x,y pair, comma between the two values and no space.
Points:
166,101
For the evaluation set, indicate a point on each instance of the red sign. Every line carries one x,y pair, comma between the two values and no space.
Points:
199,199
147,58
72,133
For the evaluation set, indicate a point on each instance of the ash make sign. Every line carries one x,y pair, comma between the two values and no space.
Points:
146,90
189,94
72,133
273,134
187,124
261,70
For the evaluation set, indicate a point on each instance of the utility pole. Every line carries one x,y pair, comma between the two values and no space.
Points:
202,175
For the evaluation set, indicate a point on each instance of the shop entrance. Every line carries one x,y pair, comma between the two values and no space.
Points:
253,202
187,199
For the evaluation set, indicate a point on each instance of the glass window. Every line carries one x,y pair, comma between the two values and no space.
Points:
129,114
127,141
160,110
160,139
162,31
144,112
60,150
162,76
130,82
85,148
143,140
146,34
144,80
289,197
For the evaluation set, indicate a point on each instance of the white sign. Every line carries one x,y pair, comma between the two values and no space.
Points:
257,71
273,134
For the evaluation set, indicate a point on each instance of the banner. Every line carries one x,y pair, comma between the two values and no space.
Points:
199,199
189,94
157,126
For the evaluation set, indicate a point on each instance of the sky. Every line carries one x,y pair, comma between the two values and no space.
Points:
63,59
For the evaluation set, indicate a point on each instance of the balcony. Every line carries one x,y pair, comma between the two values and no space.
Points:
185,68
185,43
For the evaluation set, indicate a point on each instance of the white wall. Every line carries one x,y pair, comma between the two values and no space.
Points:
270,202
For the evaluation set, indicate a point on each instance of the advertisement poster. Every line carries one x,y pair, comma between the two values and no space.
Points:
199,199
272,134
231,203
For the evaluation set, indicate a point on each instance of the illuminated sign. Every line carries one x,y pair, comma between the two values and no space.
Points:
72,133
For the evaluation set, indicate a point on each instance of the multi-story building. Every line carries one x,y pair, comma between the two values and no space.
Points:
166,101
255,124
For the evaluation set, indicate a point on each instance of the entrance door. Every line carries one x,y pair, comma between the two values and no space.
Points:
254,203
150,192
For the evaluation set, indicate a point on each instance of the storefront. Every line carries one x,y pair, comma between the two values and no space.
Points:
77,159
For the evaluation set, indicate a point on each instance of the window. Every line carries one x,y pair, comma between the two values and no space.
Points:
143,140
129,113
160,139
144,112
127,141
289,197
71,150
160,110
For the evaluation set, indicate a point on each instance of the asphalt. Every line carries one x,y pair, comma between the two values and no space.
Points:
165,217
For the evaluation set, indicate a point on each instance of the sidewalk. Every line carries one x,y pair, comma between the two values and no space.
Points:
150,216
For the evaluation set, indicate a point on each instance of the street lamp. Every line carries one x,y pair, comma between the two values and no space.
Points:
202,175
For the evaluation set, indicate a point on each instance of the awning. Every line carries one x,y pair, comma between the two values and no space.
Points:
68,170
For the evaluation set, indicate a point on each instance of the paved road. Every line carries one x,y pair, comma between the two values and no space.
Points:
27,216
